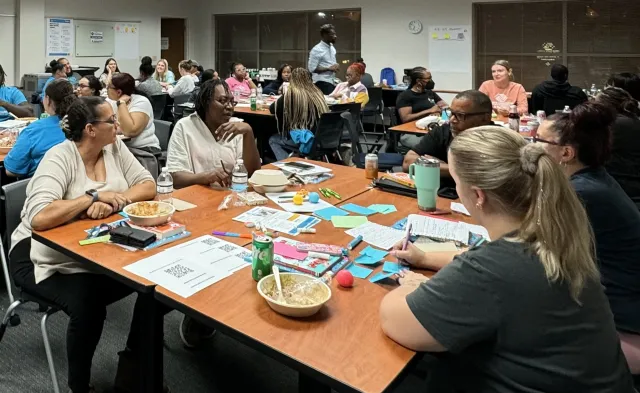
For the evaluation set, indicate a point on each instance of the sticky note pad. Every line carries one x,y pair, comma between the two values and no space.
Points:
383,209
329,212
359,271
380,276
392,267
348,221
370,256
288,251
353,208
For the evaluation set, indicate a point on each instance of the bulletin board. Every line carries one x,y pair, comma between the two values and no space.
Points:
94,39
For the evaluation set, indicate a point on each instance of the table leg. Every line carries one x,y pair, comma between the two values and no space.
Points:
306,384
151,364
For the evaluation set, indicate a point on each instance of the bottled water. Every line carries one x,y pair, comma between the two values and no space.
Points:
445,115
566,109
239,177
259,91
164,186
594,91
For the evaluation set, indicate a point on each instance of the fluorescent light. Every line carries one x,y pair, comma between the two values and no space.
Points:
321,14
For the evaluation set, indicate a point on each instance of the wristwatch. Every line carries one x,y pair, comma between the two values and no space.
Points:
93,194
119,102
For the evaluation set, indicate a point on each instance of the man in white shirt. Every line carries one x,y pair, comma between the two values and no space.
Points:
322,60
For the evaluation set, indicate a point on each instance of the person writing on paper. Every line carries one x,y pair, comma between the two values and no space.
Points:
469,109
503,91
352,90
580,142
538,270
205,145
240,82
40,136
91,174
163,74
110,69
12,101
186,83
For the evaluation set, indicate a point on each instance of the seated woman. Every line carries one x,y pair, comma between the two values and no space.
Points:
110,69
134,113
537,271
366,79
186,83
12,100
580,141
205,146
207,75
40,136
89,86
624,164
94,175
503,91
57,72
240,82
163,74
352,90
148,85
275,87
299,108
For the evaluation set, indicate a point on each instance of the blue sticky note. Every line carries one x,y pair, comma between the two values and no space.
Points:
353,208
359,271
329,212
370,256
366,260
380,276
392,267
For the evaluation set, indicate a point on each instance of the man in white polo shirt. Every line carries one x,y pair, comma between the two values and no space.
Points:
322,60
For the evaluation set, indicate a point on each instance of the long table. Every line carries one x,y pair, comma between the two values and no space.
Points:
342,347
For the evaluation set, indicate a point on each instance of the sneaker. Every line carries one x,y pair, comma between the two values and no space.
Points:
193,333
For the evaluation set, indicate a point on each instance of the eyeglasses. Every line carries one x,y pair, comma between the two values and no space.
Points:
82,86
462,116
535,139
112,120
228,100
111,87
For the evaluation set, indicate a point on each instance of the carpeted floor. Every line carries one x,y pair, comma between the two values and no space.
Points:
222,366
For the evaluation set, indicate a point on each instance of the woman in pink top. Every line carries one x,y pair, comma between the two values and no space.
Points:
239,81
503,91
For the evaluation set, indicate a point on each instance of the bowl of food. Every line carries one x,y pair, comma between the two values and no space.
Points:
263,189
149,214
303,295
7,140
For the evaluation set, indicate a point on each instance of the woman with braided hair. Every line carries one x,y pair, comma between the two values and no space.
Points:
352,90
299,108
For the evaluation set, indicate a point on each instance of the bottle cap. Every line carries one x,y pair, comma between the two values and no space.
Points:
239,161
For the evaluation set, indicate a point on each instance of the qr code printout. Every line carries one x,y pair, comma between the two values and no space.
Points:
178,270
227,248
210,241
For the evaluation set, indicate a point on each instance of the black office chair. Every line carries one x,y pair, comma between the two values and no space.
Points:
163,132
375,109
354,109
15,195
386,161
328,136
158,102
177,109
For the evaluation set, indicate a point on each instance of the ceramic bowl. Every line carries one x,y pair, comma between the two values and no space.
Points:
166,211
293,310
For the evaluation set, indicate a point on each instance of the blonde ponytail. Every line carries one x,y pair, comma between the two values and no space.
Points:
521,180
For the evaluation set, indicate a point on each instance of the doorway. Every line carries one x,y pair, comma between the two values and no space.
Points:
172,31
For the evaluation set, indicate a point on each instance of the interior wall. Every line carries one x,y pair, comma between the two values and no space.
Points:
7,39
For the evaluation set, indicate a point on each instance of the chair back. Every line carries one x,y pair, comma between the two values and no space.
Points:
354,135
354,109
15,195
177,109
163,132
375,100
158,102
554,104
328,133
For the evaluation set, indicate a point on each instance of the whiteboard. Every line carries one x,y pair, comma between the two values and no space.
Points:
127,40
94,39
7,54
450,49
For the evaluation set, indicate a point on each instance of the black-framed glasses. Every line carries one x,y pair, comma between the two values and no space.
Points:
112,120
227,100
462,116
535,139
81,86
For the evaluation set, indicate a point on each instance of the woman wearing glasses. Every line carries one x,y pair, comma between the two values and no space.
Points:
580,142
90,174
89,86
204,146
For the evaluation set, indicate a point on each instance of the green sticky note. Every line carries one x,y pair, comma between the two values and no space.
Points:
348,221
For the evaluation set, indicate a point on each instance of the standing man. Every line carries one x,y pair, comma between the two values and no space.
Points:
322,60
12,101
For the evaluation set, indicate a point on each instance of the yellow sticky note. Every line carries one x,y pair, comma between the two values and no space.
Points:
437,247
434,36
447,36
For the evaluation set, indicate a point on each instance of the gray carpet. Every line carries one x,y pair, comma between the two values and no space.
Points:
222,365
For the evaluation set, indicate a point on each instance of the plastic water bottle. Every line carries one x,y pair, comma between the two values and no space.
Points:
44,115
566,109
594,91
239,177
164,186
445,116
259,91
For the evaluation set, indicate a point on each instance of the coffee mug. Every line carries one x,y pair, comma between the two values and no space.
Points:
425,173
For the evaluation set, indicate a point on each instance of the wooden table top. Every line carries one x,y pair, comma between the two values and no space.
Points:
408,128
344,341
245,110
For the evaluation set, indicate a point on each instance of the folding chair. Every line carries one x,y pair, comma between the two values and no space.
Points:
328,136
163,132
386,161
375,109
14,199
177,109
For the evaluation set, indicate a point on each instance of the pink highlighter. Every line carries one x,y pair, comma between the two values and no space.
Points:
406,242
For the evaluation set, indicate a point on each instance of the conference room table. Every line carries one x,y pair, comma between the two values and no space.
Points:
342,347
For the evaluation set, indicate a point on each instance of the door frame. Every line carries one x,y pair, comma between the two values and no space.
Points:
187,49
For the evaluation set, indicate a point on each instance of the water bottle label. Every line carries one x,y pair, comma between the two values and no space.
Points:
164,189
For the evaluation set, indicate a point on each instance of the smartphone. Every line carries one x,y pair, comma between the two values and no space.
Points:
298,165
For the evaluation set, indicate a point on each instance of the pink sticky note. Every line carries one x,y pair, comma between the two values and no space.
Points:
288,251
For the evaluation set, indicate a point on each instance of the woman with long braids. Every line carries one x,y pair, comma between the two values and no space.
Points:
298,109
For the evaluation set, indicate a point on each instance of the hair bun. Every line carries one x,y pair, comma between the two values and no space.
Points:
529,156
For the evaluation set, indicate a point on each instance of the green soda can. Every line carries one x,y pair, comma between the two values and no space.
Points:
262,258
254,103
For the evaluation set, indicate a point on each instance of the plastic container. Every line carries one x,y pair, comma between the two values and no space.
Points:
164,186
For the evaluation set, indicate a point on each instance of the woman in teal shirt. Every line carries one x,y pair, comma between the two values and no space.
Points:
12,100
40,136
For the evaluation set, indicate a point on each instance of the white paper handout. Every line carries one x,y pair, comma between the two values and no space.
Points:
377,235
459,207
13,123
277,220
192,266
288,205
316,170
438,228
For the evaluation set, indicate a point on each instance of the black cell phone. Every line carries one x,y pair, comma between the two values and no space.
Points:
298,165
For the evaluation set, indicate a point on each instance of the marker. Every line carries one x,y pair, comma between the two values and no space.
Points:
306,230
354,243
232,234
406,241
319,255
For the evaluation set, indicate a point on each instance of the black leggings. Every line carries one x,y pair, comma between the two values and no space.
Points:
84,297
326,87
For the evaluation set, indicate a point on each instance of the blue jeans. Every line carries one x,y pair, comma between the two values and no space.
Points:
282,146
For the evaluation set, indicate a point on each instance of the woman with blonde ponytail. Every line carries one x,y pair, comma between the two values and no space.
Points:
526,311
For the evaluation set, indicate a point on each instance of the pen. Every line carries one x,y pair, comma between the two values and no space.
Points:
232,234
354,243
406,239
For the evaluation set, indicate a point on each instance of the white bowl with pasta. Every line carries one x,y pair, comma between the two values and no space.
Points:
303,295
149,214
